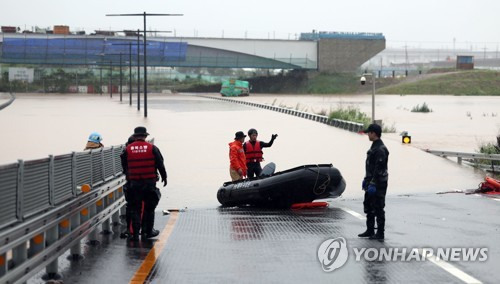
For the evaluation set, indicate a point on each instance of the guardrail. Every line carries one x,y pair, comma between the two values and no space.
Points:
475,157
49,205
343,124
7,103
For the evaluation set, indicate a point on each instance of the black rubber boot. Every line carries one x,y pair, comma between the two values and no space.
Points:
378,236
367,234
148,221
153,233
133,237
370,226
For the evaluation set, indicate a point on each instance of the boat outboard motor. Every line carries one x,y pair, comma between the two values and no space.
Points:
268,170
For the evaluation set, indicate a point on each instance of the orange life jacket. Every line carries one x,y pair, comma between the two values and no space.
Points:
253,153
237,156
140,161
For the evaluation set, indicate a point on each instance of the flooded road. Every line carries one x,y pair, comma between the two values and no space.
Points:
193,133
456,123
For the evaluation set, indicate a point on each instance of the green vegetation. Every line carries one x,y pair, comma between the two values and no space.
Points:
461,83
437,81
490,148
421,108
350,113
331,84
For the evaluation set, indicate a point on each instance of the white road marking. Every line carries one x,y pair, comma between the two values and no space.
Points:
440,263
450,268
354,213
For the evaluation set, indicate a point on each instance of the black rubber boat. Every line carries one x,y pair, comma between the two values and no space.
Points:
282,189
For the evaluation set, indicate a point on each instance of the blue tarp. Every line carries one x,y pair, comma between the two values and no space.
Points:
88,50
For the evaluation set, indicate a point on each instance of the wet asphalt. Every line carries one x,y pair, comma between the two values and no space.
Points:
248,245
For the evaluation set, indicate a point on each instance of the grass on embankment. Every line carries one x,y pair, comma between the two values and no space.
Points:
468,83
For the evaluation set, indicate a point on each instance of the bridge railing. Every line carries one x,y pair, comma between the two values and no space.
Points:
343,124
475,159
48,205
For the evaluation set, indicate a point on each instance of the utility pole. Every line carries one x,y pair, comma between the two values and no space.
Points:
144,15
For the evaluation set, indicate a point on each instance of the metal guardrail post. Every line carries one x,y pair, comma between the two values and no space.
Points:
92,181
19,254
73,174
113,160
20,186
37,244
106,225
52,269
115,218
93,235
64,228
103,165
51,180
76,250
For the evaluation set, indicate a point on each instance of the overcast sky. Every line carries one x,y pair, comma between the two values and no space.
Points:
423,23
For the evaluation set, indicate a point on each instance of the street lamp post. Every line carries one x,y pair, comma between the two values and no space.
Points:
121,77
100,79
144,14
110,79
363,81
138,72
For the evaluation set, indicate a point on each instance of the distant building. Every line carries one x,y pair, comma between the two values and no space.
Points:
465,62
9,29
61,30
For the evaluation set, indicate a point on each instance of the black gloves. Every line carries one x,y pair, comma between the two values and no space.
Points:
164,180
274,136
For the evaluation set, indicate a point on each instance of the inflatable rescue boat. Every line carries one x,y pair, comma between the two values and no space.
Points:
282,189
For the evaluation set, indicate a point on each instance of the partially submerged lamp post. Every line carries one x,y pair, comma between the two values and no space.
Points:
144,14
363,81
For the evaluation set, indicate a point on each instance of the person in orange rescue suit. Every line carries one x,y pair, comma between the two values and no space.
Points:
253,152
141,162
237,161
94,141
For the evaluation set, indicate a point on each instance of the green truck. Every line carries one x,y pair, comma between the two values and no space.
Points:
235,88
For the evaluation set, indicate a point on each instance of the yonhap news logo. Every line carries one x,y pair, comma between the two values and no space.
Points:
333,254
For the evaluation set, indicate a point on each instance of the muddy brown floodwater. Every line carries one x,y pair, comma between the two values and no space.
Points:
193,134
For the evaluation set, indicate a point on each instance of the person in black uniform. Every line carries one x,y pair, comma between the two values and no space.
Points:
128,219
375,184
253,152
142,161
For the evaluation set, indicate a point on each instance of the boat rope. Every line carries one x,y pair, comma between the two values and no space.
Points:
320,189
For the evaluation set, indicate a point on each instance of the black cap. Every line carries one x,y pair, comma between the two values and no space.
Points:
239,135
140,131
374,128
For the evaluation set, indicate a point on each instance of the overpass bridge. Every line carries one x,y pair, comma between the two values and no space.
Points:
322,51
